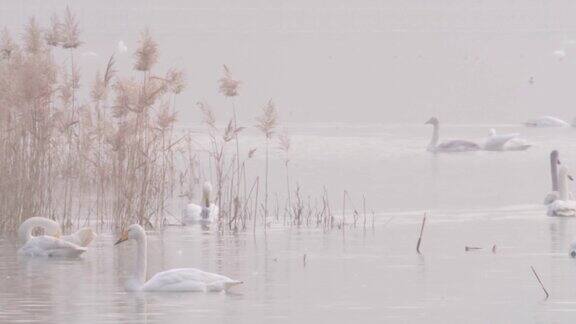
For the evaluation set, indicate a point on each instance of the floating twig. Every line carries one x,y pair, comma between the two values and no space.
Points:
420,237
472,248
540,281
494,248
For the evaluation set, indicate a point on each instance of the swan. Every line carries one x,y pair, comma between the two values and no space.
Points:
185,279
203,214
562,206
573,249
83,237
504,142
47,245
546,121
448,146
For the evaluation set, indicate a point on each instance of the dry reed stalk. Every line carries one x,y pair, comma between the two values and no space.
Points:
540,282
420,237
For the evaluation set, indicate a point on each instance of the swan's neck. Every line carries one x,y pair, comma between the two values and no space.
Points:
50,227
554,172
206,198
140,266
435,137
563,187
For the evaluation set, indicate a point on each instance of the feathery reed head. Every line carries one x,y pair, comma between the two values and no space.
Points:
147,52
33,41
207,113
268,121
53,35
70,31
7,45
228,85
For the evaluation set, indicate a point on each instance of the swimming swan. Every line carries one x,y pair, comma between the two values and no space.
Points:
504,142
48,245
562,206
203,214
546,121
187,279
448,146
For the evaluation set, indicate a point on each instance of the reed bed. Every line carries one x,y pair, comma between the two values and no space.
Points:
114,157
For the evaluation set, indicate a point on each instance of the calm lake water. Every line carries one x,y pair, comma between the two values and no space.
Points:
476,199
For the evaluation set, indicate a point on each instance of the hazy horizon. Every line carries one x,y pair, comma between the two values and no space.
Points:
338,61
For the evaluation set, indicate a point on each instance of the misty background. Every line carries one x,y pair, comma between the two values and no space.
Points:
344,61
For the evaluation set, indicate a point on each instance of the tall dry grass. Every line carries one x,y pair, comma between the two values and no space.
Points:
114,157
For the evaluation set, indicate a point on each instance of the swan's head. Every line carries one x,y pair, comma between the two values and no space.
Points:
134,232
573,249
563,173
206,193
432,121
86,235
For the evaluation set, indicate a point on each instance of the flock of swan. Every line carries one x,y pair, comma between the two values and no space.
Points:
560,202
494,142
53,244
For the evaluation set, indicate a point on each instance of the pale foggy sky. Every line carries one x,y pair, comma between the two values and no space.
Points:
346,61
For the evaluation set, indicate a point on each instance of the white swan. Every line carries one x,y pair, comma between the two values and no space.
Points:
186,279
203,214
47,245
546,121
448,146
504,142
562,206
83,237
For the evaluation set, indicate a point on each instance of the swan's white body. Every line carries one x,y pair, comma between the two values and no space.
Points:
204,214
546,121
448,146
82,237
48,245
562,206
186,279
496,142
505,142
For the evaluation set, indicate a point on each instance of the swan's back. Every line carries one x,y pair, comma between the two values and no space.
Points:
564,208
48,246
546,121
196,214
457,146
188,279
496,142
83,237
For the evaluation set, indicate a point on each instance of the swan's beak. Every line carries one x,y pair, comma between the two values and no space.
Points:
123,237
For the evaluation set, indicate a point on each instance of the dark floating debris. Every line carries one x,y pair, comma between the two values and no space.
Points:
472,248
